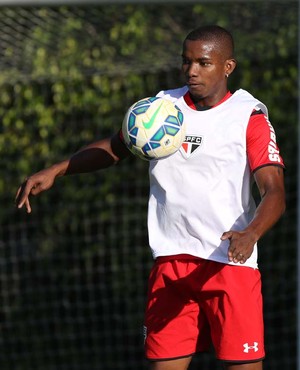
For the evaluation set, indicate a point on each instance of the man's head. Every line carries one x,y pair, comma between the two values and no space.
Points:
222,39
207,61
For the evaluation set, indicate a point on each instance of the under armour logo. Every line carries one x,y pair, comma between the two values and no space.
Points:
247,348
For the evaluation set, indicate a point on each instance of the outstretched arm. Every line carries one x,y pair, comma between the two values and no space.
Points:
270,182
95,156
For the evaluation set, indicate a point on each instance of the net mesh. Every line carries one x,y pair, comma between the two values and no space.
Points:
73,274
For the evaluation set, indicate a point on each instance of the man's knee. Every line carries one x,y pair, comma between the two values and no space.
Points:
178,364
246,366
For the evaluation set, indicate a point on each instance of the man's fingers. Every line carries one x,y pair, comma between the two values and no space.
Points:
238,258
226,235
22,195
17,196
28,207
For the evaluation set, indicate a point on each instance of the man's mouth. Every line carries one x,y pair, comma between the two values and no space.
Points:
193,83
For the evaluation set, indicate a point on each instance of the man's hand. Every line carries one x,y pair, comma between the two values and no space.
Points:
241,245
34,185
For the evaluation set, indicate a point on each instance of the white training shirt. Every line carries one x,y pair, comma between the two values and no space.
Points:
204,189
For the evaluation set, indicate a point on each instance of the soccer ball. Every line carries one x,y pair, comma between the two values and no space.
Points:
153,128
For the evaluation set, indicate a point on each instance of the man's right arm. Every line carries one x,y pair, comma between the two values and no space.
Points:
95,156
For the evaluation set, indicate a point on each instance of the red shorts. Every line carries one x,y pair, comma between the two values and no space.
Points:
194,303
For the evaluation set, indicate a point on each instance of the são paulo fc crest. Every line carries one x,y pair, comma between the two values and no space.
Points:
190,144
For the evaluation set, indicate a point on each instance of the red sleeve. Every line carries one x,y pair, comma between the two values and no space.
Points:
262,148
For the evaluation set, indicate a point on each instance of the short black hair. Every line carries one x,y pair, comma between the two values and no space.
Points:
219,35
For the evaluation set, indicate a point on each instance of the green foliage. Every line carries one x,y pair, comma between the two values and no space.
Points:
82,72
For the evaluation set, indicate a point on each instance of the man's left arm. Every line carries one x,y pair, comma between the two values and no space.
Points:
270,182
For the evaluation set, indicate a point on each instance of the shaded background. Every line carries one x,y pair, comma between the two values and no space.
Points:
73,273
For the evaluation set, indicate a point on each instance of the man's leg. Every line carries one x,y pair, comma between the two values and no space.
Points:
178,364
248,366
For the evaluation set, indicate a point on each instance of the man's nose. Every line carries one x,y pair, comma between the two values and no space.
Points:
193,69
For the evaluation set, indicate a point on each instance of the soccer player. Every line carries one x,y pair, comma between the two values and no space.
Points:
205,286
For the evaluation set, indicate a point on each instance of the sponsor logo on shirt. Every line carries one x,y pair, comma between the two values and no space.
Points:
272,147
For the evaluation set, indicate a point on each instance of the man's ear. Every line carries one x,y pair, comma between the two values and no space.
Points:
230,65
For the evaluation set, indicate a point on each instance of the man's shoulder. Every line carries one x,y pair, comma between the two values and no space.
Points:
244,97
173,94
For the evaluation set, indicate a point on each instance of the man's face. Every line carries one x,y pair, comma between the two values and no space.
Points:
204,68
